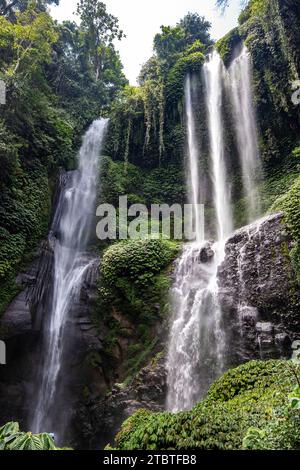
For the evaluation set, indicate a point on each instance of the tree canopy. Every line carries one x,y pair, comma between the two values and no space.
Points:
173,40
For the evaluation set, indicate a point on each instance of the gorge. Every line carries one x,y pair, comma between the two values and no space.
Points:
113,337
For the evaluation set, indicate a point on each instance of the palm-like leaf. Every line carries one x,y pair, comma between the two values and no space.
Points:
12,439
9,429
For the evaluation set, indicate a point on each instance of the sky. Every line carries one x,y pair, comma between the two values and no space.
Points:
141,20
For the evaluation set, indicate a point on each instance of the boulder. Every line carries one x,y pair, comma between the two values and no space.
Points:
257,280
206,253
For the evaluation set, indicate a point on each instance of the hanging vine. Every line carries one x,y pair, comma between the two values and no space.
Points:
127,146
161,122
154,110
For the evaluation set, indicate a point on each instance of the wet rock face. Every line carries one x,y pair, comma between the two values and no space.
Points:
259,293
100,420
20,339
207,253
21,328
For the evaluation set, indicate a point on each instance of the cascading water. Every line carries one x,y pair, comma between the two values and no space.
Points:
193,153
72,222
240,73
196,342
214,74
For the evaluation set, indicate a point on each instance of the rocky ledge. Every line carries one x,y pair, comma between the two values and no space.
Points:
100,419
259,291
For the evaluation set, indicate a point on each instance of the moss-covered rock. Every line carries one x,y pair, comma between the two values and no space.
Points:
132,275
226,45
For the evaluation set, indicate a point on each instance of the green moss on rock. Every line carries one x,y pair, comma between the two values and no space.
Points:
289,203
226,45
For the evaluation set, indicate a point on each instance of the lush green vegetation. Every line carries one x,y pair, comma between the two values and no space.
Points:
148,139
11,438
250,407
134,298
58,79
289,203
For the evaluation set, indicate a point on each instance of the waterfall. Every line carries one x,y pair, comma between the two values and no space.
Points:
240,74
193,153
196,341
69,238
214,74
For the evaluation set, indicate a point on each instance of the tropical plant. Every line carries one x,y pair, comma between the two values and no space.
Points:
11,438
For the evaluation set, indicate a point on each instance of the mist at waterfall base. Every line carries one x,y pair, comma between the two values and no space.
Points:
197,340
68,240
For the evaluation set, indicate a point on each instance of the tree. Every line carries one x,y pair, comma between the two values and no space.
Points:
8,8
27,43
172,41
72,76
100,28
196,28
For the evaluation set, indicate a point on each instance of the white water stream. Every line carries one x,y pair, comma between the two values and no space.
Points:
240,80
74,214
196,342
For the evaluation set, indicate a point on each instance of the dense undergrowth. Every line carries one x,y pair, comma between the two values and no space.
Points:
289,204
134,290
247,408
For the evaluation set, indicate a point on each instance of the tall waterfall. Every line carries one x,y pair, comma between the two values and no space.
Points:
196,340
72,221
193,161
240,74
214,74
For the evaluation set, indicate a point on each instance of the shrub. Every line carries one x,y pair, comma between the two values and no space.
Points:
138,261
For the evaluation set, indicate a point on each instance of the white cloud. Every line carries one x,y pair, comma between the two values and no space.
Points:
141,20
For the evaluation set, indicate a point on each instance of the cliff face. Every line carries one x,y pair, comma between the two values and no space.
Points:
21,329
260,300
259,292
101,418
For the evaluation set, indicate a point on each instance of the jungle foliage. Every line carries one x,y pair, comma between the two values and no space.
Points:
55,86
247,408
11,438
140,133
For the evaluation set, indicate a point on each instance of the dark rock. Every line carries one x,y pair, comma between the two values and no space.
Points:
101,418
282,340
257,278
206,253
